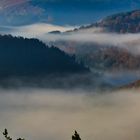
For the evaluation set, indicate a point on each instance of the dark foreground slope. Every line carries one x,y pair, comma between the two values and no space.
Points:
30,57
30,63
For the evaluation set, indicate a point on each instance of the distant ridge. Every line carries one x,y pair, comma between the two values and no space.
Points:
126,22
55,32
135,84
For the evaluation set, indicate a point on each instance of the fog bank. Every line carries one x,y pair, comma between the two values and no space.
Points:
130,41
54,115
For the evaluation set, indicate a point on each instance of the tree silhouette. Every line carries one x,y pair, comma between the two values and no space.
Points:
76,136
5,133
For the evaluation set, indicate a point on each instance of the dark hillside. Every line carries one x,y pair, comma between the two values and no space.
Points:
30,57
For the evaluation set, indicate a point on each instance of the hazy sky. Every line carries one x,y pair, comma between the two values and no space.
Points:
61,12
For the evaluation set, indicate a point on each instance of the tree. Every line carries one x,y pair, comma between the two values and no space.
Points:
76,136
5,133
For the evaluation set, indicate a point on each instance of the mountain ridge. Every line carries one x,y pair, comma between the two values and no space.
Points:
124,22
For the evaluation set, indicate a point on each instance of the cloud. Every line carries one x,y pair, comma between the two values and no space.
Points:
34,30
130,42
10,3
21,12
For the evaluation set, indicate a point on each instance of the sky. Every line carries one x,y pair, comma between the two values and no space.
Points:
60,12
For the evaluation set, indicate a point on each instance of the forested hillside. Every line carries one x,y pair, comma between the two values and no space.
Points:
30,57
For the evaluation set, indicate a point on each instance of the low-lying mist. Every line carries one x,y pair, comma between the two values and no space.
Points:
92,81
130,42
54,114
94,35
91,35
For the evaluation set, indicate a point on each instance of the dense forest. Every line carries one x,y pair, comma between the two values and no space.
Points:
127,22
30,57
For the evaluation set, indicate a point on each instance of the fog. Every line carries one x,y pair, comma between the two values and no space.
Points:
53,115
33,30
130,41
